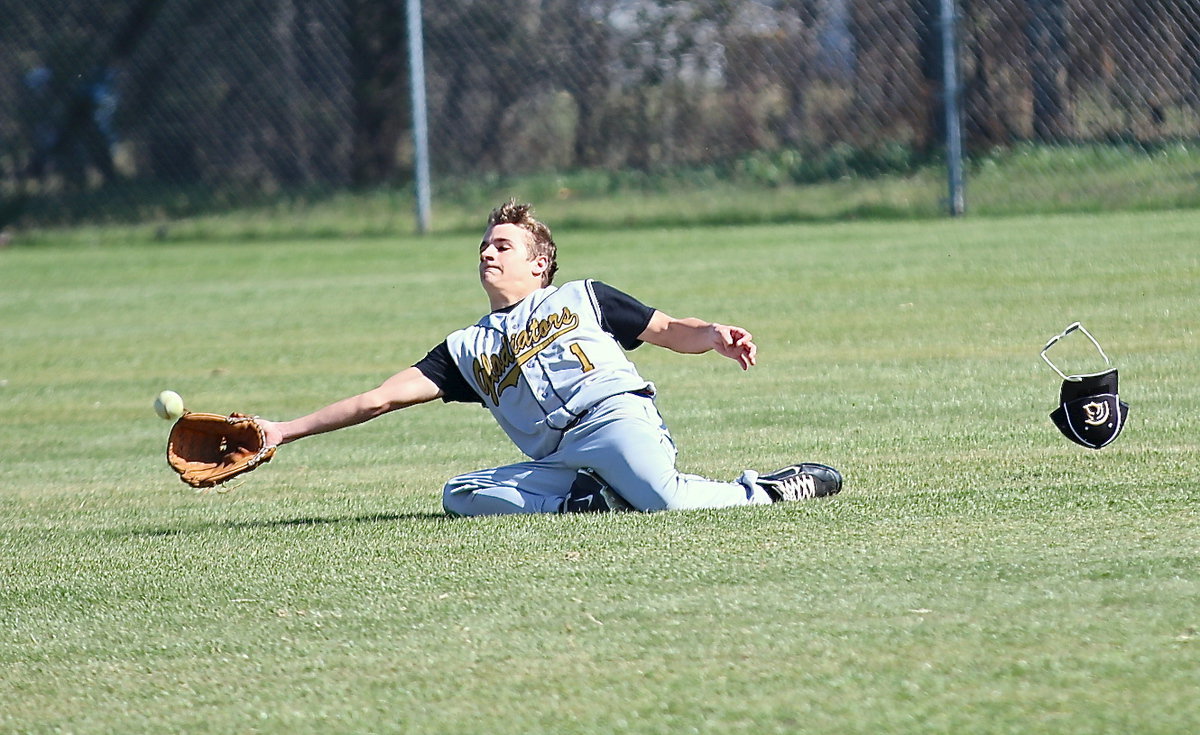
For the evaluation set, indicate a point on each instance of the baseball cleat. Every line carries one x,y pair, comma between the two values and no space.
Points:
590,494
801,481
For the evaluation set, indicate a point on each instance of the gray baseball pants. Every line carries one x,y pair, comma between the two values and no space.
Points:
623,440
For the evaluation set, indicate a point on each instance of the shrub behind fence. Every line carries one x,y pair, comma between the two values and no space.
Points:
160,107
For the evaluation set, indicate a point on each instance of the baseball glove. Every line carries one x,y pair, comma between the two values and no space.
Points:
206,449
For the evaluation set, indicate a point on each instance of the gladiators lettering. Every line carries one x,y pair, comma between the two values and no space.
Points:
496,372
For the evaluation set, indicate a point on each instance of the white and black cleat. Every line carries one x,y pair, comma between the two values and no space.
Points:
590,494
801,482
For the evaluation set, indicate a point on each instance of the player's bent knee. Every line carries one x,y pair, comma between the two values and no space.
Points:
456,498
470,498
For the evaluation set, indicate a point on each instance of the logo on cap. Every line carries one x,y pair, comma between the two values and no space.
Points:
1096,412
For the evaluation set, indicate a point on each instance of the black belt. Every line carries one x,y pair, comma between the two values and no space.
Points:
643,392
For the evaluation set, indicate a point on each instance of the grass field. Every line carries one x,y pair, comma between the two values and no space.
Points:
1084,178
978,574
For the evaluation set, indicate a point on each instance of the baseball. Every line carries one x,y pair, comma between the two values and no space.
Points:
168,405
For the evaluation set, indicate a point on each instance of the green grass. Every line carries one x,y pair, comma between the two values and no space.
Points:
1016,180
978,574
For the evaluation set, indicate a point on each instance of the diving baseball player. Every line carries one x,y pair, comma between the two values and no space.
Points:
549,363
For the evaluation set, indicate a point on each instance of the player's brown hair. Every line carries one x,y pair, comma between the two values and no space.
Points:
541,241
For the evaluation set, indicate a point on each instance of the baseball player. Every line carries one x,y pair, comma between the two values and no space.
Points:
549,363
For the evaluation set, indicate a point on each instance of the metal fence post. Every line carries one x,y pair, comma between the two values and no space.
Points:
950,102
416,66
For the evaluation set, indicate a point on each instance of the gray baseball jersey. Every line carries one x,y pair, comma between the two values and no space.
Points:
543,364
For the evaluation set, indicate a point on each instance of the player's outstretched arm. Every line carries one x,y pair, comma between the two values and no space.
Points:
406,388
693,336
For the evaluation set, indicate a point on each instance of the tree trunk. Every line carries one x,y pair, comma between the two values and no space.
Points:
381,106
1046,34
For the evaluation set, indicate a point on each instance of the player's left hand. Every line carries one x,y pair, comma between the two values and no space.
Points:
207,449
736,344
271,430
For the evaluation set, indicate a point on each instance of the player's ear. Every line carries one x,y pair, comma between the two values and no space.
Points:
539,264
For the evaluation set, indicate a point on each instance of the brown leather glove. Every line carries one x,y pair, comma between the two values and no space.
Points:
207,449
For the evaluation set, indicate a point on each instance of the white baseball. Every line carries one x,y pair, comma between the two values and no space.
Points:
168,405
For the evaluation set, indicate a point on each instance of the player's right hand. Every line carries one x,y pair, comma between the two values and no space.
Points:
737,344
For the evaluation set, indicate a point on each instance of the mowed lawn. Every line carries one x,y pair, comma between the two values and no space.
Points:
978,574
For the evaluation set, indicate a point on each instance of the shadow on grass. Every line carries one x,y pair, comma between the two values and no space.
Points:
285,523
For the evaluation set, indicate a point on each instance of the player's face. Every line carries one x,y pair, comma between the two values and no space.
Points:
504,264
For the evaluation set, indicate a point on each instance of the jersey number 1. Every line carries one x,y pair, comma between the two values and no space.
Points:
584,362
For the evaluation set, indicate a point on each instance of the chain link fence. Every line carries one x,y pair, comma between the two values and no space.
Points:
777,109
124,109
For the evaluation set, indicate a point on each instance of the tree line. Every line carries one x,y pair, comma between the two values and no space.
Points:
283,93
